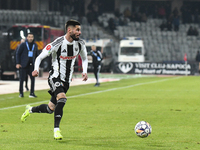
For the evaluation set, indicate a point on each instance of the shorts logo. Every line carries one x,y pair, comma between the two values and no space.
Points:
48,47
57,84
76,49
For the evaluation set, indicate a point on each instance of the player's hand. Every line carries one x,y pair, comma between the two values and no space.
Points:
35,73
18,66
84,76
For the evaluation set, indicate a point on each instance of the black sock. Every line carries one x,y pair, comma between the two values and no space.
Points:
43,108
59,112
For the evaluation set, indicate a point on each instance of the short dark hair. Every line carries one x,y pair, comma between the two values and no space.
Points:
71,23
30,33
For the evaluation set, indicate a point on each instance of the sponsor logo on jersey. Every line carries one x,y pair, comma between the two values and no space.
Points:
48,47
68,57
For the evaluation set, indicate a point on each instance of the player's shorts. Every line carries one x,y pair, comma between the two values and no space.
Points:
57,86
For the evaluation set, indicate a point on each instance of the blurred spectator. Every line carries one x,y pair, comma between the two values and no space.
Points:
161,12
166,26
111,24
127,13
192,31
117,12
163,26
171,17
116,21
198,60
175,11
169,25
143,17
176,23
123,21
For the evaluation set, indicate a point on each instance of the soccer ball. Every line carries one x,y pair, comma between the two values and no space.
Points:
143,129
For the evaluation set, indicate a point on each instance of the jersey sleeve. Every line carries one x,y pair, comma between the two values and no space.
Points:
83,54
49,48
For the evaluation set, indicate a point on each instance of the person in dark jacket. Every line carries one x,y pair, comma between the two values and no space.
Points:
17,70
96,60
25,59
198,60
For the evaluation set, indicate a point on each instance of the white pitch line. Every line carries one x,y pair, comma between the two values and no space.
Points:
157,81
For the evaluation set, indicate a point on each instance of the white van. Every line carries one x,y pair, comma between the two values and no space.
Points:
131,49
103,45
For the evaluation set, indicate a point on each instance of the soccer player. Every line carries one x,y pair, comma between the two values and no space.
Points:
96,61
64,51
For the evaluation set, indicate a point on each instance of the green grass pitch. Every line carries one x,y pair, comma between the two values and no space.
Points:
103,118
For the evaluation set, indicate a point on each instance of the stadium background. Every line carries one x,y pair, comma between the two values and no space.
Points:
103,118
163,25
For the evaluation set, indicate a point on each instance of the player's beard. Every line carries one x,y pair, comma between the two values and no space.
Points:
74,37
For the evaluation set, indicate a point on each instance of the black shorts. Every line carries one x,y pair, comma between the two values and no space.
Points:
57,86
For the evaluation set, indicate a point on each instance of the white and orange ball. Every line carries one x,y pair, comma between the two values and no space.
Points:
143,129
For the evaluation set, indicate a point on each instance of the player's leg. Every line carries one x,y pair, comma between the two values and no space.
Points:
199,67
98,71
21,81
26,83
32,94
43,108
95,73
58,89
61,100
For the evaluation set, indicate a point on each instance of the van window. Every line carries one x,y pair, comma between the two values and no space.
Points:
131,51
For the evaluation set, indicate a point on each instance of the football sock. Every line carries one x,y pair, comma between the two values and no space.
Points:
56,129
59,112
43,108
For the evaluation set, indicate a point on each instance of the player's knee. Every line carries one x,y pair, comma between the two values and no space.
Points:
62,100
50,110
61,95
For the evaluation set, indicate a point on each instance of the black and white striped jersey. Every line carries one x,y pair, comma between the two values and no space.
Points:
64,55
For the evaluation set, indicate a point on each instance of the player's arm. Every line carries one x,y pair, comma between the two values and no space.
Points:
45,52
99,54
83,54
